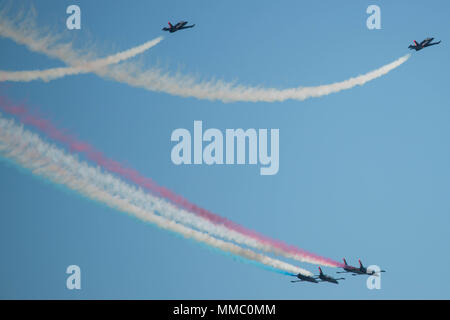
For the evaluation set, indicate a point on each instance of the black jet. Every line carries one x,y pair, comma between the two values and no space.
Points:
305,278
179,26
425,43
326,278
358,271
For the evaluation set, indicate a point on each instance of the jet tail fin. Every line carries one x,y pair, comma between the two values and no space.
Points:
170,25
360,263
345,262
320,270
415,42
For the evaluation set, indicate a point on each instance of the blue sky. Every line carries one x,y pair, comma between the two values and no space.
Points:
364,173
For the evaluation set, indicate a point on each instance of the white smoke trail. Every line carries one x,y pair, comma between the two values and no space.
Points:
42,159
84,67
180,85
27,34
186,86
171,211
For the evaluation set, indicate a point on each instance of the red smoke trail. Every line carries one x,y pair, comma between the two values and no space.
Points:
74,145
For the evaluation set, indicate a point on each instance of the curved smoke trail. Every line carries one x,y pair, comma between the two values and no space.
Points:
194,216
83,67
186,86
26,34
42,159
180,85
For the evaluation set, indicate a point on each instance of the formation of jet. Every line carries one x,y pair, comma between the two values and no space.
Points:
347,268
417,46
179,26
357,271
315,279
321,277
425,43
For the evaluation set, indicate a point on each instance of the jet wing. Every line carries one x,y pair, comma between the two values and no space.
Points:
426,41
432,44
187,27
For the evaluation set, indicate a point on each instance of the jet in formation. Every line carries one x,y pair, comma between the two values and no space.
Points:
425,43
321,277
179,26
358,271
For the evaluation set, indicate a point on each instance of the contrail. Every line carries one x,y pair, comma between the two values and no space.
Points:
45,160
186,86
196,216
84,67
49,46
182,85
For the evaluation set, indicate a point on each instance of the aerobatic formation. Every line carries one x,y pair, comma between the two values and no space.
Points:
109,182
153,79
157,205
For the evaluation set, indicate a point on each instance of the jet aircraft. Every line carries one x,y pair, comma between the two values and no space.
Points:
326,278
425,43
179,26
305,278
358,271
